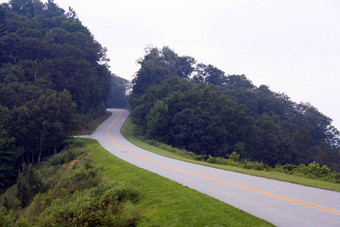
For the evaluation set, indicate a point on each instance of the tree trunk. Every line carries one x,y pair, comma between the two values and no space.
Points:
40,148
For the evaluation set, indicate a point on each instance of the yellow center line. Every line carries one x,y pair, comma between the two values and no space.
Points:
220,180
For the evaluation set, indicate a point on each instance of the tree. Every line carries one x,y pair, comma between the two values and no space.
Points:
302,146
119,89
211,113
9,152
53,77
272,142
193,116
158,121
209,74
158,65
239,82
29,8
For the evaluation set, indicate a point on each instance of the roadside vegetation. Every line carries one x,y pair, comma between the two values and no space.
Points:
312,174
68,189
198,108
90,127
54,78
163,202
85,185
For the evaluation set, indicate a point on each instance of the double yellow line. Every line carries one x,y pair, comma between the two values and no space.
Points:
220,180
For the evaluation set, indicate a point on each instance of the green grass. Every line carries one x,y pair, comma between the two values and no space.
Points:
129,133
94,124
166,203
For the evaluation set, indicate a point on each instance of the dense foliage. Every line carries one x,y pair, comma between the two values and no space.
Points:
198,108
119,89
53,77
68,190
312,170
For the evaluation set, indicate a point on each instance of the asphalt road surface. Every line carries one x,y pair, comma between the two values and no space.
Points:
280,203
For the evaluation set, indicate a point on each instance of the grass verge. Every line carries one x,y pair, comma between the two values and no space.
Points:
128,132
163,202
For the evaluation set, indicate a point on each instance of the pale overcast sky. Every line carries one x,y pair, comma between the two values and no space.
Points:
293,46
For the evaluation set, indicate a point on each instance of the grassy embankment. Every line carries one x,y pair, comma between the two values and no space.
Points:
129,133
85,185
163,202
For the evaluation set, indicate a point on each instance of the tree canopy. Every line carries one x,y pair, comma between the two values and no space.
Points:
208,112
119,89
53,77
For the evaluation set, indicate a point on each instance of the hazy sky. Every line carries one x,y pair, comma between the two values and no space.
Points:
293,46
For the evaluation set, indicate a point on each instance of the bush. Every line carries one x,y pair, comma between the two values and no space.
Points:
289,168
110,204
234,156
177,151
9,200
76,196
67,155
29,183
217,160
315,170
121,192
62,157
337,177
253,165
5,219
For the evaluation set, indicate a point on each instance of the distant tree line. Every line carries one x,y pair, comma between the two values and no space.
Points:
119,88
53,77
198,108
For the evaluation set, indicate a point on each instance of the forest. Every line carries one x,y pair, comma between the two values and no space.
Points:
198,108
53,77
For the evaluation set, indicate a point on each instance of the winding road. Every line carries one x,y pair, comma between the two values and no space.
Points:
280,203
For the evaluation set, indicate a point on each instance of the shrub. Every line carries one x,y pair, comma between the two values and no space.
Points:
5,219
234,156
185,153
122,192
211,159
109,204
66,155
76,196
289,168
337,177
9,200
315,170
253,165
29,183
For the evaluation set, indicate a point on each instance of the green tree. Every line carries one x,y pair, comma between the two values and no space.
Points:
53,76
119,89
158,121
272,142
302,146
219,114
9,152
209,74
158,65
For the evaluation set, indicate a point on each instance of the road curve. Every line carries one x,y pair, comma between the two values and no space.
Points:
280,203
